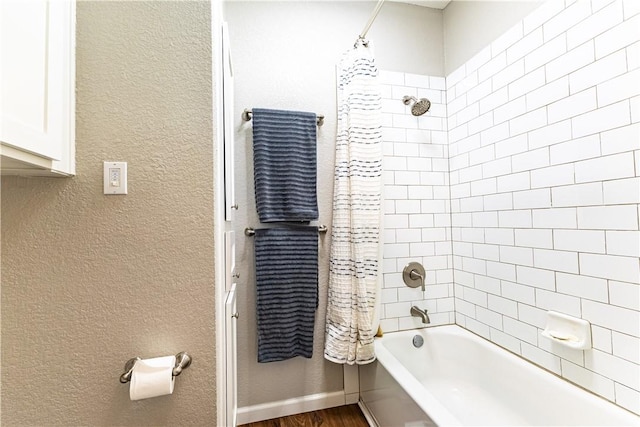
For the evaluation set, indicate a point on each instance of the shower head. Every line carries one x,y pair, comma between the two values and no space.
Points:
419,107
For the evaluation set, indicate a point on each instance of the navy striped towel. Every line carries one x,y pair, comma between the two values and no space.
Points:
284,162
287,291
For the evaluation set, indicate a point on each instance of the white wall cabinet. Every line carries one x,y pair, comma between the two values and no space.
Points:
229,129
231,325
37,91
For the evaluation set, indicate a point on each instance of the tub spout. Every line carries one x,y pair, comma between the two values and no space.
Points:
417,312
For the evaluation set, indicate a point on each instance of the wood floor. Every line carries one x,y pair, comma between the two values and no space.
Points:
341,416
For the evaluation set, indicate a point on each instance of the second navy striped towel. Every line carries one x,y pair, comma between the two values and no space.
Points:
286,291
284,160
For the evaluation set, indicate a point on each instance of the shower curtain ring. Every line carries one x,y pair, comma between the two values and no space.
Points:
361,40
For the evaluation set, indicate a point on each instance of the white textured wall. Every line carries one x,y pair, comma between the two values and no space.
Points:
89,281
470,25
545,159
284,56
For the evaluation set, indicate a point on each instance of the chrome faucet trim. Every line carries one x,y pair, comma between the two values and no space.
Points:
414,275
417,312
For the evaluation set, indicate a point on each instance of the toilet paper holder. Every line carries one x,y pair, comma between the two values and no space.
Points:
183,360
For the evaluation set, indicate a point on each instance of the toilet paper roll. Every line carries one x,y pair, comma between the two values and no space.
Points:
152,377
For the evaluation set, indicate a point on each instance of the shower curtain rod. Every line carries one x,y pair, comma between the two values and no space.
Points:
365,30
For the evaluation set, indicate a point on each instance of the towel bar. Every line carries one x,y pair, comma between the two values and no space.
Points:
183,360
246,116
250,232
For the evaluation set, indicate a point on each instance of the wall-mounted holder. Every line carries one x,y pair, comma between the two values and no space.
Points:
183,360
414,275
568,331
250,231
247,114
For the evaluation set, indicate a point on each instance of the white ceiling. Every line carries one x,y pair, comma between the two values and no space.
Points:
436,4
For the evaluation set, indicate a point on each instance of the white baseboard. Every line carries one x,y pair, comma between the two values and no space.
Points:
350,399
284,408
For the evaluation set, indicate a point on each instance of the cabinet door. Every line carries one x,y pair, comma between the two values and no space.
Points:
229,131
37,79
230,258
231,318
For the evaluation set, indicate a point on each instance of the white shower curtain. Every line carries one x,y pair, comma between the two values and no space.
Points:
355,260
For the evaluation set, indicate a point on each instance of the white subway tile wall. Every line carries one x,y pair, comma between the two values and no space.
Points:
519,192
544,149
417,221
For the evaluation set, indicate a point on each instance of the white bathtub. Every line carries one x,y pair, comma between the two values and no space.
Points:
458,378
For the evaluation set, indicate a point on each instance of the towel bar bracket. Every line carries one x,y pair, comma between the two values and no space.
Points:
250,231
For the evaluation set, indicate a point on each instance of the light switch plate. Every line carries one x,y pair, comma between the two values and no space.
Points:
115,177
